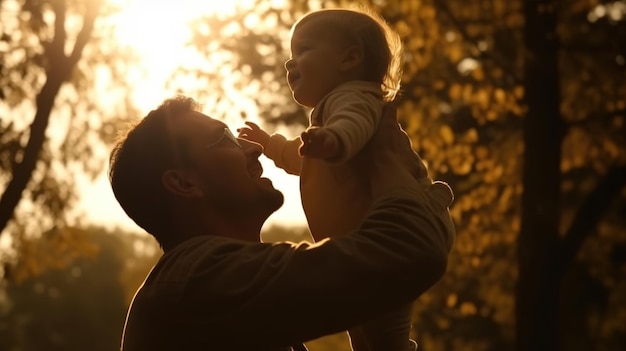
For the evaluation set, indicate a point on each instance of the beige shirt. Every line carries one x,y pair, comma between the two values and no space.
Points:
335,196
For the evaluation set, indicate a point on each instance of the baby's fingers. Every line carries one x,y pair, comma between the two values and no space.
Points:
252,125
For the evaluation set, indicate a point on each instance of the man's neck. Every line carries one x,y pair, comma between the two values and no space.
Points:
237,228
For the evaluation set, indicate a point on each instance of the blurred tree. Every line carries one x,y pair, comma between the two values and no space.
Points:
520,106
56,63
82,306
539,280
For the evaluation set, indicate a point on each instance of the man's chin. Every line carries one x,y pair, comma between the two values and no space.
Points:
277,200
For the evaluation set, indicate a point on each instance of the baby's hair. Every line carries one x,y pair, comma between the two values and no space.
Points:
382,47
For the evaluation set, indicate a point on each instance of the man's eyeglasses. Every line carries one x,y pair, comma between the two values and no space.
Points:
228,135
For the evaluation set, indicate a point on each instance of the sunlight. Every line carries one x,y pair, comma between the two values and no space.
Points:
160,35
159,32
149,26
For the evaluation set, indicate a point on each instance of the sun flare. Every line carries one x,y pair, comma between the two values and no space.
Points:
159,32
148,25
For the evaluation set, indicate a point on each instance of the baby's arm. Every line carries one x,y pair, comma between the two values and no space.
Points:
320,143
276,147
252,132
349,121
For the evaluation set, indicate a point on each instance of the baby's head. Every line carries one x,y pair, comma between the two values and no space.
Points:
379,48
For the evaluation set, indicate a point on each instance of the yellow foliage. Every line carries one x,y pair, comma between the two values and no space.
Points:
456,52
471,136
577,149
611,148
439,84
451,300
482,152
494,175
427,11
506,197
491,115
442,323
478,74
54,250
455,91
467,309
482,98
497,73
402,28
499,96
410,6
468,92
515,19
446,133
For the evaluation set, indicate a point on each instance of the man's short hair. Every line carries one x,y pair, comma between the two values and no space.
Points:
138,161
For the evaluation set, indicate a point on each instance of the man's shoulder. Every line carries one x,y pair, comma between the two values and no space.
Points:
180,261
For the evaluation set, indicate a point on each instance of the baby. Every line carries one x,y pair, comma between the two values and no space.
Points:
346,65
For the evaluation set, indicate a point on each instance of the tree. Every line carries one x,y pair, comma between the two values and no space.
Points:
82,305
53,52
544,256
520,106
538,284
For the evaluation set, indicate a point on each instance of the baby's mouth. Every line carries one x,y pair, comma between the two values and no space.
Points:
293,79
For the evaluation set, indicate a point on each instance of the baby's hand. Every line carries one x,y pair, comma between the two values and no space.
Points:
254,133
320,143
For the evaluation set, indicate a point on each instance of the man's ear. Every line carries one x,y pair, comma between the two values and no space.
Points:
181,183
353,56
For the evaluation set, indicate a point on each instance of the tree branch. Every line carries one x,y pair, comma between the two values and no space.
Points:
57,72
85,33
443,7
590,214
590,49
605,117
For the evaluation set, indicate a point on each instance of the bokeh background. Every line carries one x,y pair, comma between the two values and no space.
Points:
519,105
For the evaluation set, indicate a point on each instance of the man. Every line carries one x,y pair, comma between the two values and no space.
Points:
185,179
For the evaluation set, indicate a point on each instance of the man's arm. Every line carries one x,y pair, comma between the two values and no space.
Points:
397,254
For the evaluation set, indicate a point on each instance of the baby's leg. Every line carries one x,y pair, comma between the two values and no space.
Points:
388,332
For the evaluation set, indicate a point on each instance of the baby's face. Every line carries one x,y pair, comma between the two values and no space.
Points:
314,68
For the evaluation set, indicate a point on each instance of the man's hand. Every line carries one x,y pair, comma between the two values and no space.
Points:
320,143
254,133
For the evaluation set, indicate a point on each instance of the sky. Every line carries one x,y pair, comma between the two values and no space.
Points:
162,49
100,207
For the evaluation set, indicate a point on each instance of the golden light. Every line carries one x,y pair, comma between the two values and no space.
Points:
151,26
159,32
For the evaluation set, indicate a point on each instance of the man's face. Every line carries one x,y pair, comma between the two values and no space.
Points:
229,175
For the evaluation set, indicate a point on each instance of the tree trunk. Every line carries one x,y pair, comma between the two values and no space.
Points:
22,172
58,71
537,295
